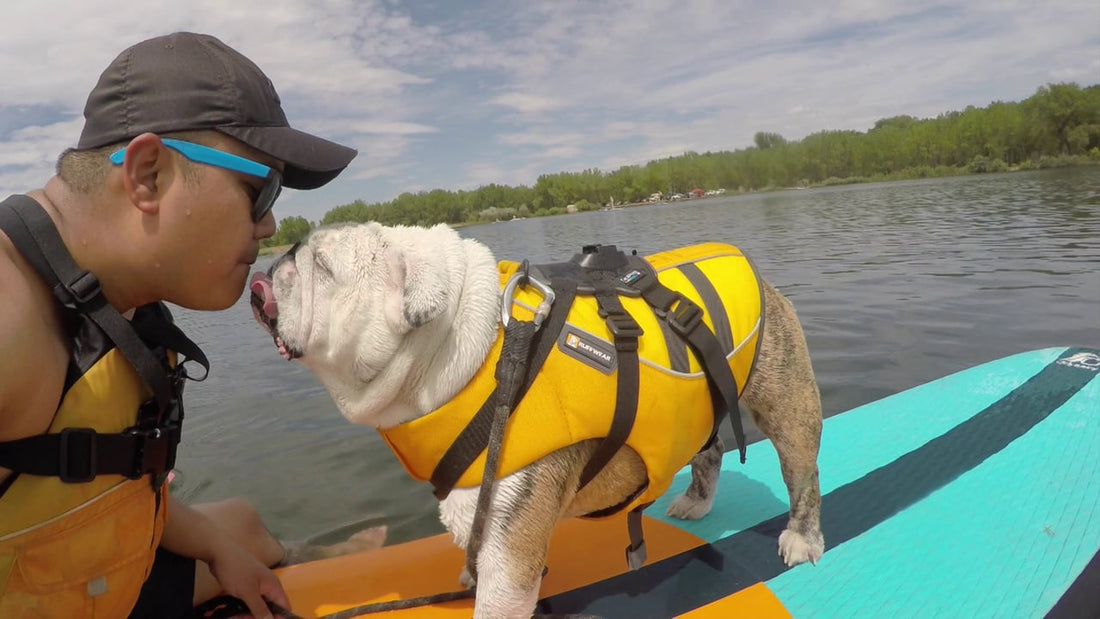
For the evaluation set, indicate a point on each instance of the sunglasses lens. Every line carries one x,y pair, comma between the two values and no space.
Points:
270,192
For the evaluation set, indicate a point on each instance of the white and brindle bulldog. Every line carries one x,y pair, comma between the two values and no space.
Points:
396,320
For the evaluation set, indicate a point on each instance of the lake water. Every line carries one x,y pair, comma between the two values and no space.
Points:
896,284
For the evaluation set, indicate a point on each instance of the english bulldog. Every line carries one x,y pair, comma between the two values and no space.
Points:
396,320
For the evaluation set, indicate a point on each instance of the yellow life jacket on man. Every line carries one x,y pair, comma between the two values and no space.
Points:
80,519
573,396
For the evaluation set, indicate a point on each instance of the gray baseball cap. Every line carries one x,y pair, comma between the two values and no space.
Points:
187,82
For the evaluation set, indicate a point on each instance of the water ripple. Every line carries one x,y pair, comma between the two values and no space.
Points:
896,284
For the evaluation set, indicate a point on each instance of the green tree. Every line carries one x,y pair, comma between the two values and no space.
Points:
290,231
1057,119
1059,108
765,140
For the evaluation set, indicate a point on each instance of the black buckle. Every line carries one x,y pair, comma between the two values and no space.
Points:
154,451
64,459
625,331
685,317
78,292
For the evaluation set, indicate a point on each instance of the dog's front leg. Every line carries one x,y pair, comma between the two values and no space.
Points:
513,545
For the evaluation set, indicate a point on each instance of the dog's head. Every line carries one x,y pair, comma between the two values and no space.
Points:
344,299
393,320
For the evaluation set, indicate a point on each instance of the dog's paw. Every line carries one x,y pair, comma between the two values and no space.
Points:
466,580
796,548
689,508
367,539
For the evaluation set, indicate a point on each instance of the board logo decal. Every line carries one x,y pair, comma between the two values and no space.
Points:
1082,361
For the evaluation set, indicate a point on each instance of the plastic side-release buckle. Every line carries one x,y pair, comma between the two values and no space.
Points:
148,448
685,317
78,292
154,451
624,325
83,440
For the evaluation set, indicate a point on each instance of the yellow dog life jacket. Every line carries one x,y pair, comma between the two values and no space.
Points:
572,399
82,513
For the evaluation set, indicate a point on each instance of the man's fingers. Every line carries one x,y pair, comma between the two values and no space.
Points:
272,589
257,606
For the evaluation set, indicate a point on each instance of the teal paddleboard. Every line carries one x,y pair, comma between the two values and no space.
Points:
975,495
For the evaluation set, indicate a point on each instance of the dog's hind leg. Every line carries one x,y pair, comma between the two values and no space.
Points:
697,500
786,406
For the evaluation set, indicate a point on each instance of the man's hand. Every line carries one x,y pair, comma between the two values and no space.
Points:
191,533
244,577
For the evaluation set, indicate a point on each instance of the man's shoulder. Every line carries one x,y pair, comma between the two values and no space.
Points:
34,348
26,300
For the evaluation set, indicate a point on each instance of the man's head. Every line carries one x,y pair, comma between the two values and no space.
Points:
184,147
191,82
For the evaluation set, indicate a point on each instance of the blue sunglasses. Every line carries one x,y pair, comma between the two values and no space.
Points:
273,180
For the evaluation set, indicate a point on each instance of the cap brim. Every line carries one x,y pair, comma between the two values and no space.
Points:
310,161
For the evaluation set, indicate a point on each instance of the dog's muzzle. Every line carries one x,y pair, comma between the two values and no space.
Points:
264,307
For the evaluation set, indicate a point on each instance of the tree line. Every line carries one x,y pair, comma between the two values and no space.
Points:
1058,125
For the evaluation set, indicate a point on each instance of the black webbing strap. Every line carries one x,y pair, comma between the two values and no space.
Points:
511,371
686,320
635,552
471,442
78,455
625,333
32,232
157,328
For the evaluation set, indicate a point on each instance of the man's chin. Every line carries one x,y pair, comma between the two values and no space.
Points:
214,298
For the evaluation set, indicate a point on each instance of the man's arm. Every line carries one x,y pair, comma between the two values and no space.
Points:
191,533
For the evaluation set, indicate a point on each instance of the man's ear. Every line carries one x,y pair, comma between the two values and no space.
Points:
416,293
144,172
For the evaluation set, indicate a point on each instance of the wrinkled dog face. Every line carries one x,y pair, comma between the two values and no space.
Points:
336,300
371,310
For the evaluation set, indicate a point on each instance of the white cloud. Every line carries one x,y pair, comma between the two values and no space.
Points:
527,103
494,91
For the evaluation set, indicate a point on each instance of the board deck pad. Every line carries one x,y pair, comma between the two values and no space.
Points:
977,494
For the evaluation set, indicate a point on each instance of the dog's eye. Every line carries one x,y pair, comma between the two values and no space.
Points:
321,262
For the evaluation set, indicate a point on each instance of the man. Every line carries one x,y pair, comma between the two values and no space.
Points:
166,197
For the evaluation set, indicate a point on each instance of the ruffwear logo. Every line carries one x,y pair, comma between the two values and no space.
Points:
1082,361
588,350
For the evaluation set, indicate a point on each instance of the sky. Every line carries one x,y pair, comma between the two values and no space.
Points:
457,94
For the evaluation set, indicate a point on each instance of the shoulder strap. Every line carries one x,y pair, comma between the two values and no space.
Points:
80,454
32,232
686,320
474,438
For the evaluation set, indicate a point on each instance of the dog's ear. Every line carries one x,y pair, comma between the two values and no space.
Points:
417,292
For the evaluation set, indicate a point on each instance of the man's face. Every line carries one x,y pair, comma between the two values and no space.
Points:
210,239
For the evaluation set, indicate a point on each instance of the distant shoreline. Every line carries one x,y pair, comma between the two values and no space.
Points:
899,176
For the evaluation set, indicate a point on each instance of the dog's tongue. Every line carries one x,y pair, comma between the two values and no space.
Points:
262,297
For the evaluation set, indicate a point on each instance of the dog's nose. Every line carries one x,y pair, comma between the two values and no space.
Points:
289,255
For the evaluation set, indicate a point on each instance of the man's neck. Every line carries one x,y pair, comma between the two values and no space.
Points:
85,228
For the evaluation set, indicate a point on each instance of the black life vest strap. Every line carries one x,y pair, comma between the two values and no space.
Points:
625,333
474,438
32,232
78,455
686,320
